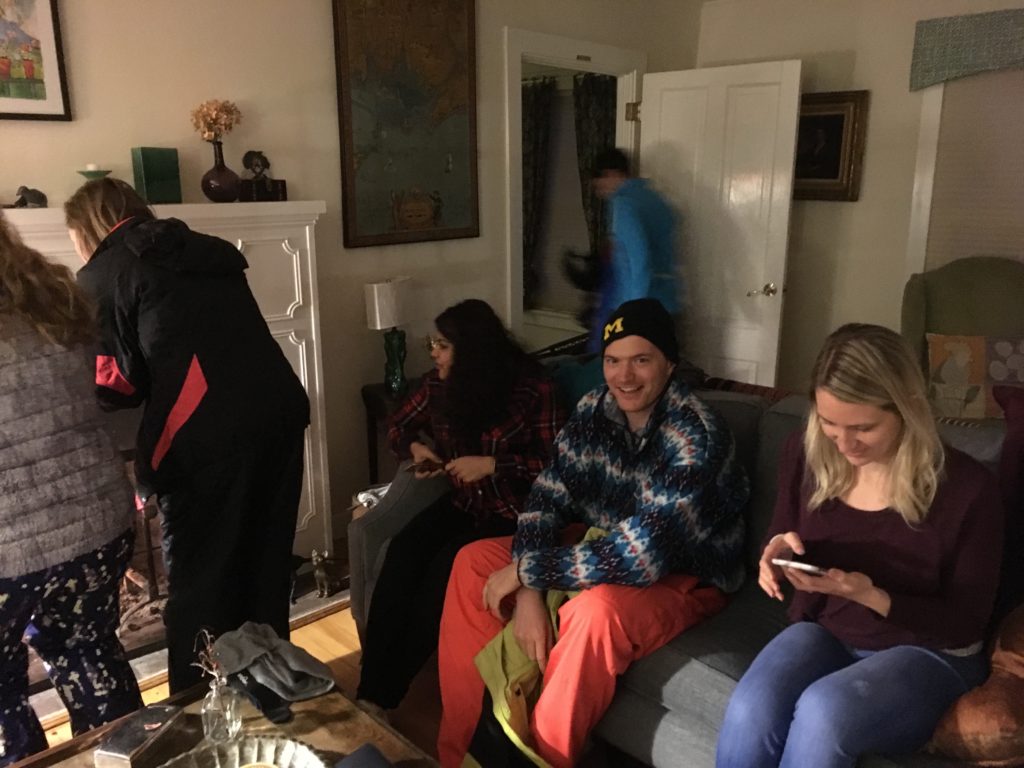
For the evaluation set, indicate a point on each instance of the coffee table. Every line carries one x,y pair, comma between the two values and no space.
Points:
331,724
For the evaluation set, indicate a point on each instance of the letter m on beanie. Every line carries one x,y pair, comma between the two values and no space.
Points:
615,326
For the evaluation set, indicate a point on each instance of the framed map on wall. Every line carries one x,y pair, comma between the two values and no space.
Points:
407,118
32,81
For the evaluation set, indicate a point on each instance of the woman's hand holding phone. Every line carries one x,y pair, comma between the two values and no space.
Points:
854,586
782,545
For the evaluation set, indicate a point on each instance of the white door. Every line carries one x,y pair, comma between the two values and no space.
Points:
719,143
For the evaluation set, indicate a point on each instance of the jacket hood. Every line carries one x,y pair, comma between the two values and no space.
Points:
170,244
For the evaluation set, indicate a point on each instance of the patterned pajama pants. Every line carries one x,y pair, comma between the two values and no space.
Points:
73,611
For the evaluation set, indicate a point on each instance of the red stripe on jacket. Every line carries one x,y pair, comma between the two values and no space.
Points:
192,393
108,374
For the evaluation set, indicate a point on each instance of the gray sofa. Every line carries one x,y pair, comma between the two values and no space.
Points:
668,706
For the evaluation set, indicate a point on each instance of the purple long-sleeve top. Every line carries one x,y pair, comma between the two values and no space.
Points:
941,574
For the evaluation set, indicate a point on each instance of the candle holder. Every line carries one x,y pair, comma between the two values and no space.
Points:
93,173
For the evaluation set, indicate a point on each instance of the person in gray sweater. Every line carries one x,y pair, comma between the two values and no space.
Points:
65,508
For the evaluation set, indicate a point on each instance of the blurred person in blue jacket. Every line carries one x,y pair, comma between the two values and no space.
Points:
642,235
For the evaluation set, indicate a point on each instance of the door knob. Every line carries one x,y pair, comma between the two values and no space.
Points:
768,289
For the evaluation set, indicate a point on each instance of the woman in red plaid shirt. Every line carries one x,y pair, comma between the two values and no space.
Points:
486,416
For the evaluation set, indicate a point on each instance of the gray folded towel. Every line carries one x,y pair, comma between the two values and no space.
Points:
281,666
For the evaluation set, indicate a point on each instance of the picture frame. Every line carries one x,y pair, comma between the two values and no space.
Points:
407,120
830,145
33,82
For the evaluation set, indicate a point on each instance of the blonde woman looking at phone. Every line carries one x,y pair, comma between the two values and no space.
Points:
909,533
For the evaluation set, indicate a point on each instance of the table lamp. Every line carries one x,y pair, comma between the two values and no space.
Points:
384,313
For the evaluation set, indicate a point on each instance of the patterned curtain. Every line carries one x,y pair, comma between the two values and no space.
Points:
538,98
594,106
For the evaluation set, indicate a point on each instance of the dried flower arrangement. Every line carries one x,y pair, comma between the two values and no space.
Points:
214,118
207,657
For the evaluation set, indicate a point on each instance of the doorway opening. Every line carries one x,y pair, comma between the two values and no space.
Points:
550,315
568,116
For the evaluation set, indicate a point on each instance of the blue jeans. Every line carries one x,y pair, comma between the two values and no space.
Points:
809,700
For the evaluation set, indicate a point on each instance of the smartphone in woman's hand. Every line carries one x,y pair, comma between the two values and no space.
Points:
806,567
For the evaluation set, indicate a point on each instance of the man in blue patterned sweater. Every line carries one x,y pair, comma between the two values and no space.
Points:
652,466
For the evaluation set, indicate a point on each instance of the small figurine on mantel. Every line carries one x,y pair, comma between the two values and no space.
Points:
29,198
257,183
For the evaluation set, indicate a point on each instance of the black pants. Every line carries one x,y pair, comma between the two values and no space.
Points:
405,608
228,534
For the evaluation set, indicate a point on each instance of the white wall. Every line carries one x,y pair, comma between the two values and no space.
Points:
846,260
136,70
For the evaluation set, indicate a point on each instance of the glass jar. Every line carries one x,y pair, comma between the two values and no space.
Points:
221,713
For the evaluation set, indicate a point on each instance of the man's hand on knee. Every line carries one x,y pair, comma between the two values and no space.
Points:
533,630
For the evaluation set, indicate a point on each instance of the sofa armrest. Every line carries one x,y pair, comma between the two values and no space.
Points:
369,535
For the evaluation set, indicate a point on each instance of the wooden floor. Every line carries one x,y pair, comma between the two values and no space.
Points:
333,640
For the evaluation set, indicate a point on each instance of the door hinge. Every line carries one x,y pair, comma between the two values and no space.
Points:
632,111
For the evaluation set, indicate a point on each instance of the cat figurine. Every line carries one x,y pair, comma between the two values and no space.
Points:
320,574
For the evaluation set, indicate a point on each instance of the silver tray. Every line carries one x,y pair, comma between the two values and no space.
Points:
245,750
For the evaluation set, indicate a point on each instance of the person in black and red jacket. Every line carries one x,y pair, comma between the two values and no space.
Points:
222,432
486,417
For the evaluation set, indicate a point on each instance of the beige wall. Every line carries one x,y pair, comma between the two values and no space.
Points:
135,70
846,260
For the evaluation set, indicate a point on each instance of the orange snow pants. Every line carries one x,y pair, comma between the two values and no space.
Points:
601,632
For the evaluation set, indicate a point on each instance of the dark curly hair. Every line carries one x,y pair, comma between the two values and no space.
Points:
487,363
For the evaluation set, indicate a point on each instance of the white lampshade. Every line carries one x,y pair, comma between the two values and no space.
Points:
384,303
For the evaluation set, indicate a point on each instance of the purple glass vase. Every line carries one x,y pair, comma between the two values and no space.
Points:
220,184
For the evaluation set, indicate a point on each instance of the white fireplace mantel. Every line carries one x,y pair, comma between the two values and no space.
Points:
279,243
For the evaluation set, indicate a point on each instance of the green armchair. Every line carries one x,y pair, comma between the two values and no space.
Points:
973,296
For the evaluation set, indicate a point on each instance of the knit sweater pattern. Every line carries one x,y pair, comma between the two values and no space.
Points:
63,487
671,498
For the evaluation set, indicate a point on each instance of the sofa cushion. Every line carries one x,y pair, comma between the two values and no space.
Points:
664,739
671,703
659,737
982,440
681,675
742,413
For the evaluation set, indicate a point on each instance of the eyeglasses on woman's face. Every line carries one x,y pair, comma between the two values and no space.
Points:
436,342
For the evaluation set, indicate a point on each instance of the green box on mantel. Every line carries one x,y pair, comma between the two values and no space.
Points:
157,177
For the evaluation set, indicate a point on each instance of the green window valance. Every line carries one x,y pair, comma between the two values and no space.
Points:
957,46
